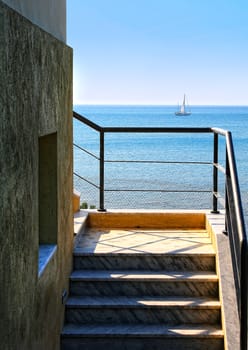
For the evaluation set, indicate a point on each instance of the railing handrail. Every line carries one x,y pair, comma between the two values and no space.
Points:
239,249
219,131
86,121
158,129
145,129
242,235
234,180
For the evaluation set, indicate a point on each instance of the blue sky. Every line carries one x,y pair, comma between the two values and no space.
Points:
154,51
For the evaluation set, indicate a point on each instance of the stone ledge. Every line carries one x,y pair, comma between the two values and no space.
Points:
171,219
46,252
80,219
230,318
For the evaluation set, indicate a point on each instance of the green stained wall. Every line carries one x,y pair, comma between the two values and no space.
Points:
35,101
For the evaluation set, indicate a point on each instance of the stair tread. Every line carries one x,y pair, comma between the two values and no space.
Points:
137,275
141,240
142,302
107,330
81,252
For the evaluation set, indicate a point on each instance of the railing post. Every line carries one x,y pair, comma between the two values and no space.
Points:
244,297
215,175
227,211
101,174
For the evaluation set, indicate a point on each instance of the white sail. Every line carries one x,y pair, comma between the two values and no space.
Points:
183,110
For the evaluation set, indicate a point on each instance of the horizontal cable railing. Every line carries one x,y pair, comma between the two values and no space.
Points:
234,219
103,188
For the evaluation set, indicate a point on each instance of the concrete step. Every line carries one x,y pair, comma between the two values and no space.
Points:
144,241
168,262
140,283
141,337
143,287
142,310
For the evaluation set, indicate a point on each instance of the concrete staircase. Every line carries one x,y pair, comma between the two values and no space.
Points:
136,297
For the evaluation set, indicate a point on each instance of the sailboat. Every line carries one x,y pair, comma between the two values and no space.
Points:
182,110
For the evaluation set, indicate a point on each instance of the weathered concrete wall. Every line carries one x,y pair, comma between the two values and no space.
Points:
35,100
50,15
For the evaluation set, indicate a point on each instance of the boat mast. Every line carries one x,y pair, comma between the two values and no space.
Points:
183,105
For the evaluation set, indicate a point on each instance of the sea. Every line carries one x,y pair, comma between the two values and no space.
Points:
174,170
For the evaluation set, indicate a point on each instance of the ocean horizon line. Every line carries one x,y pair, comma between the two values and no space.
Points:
153,105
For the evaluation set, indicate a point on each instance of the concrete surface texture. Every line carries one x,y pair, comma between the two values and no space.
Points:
36,100
136,287
50,15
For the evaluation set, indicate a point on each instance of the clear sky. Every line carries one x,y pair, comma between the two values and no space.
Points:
154,51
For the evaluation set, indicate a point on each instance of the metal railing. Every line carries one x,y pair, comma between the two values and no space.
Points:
235,229
101,185
234,219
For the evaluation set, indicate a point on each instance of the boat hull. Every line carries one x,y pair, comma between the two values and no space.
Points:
182,114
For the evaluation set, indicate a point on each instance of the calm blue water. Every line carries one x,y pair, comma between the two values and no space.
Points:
171,147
